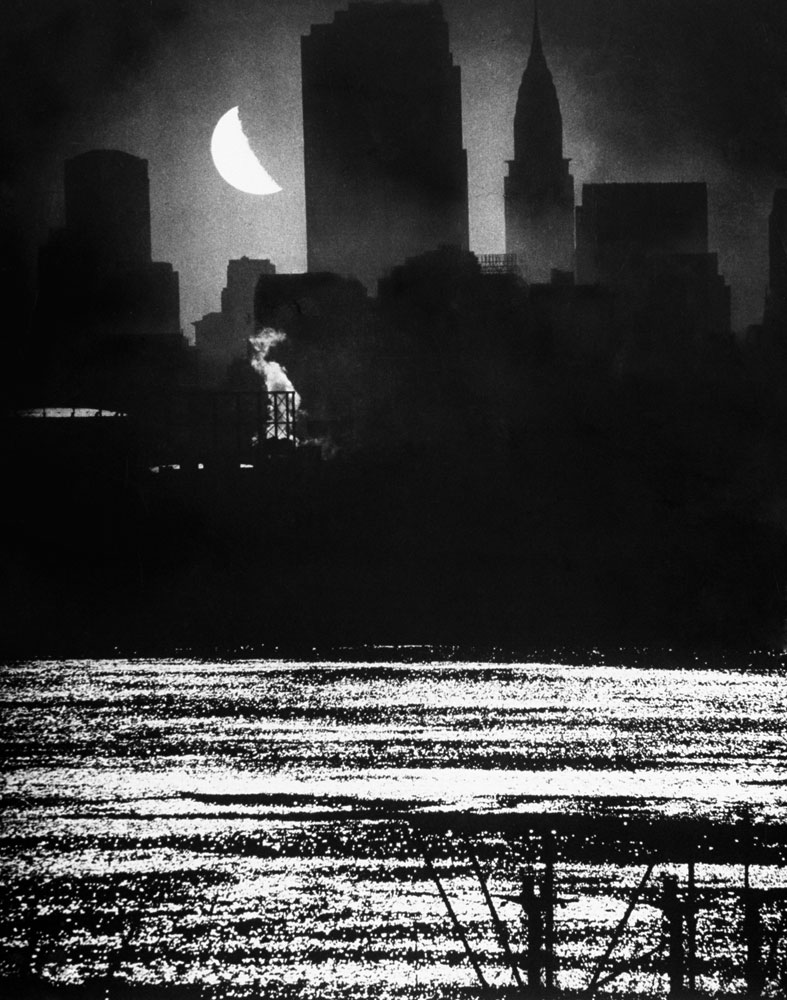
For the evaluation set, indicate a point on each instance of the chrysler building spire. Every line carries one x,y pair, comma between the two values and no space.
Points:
536,48
539,191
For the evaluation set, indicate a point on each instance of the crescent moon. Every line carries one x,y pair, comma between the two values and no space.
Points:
235,160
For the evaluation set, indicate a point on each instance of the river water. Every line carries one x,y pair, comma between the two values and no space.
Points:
248,825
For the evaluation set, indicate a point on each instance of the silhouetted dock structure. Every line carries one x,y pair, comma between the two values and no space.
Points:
676,959
190,429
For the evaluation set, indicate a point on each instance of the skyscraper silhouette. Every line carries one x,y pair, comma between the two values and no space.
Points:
622,226
649,243
108,208
96,275
777,231
776,301
385,170
539,190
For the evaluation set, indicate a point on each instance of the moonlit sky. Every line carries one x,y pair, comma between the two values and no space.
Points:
650,90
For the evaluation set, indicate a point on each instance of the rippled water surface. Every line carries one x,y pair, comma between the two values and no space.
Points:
250,824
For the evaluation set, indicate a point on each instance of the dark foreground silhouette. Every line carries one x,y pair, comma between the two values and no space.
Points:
610,512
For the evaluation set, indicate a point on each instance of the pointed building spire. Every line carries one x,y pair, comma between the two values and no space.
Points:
539,191
538,125
536,48
537,62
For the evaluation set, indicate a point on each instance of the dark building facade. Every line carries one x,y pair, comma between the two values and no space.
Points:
574,323
775,322
777,244
223,337
107,316
620,225
107,194
329,325
306,305
539,190
385,169
96,275
648,243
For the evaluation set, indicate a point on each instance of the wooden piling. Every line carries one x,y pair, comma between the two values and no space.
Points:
531,906
548,909
691,926
753,940
673,913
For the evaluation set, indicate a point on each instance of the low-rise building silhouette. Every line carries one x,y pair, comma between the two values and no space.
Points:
621,225
575,323
306,305
223,337
648,243
329,327
499,263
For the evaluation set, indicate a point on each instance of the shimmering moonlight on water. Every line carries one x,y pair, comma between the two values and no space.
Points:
250,825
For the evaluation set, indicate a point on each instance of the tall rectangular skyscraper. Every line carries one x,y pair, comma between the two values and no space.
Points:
385,169
96,275
108,207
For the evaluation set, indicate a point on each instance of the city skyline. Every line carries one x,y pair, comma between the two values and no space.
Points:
634,110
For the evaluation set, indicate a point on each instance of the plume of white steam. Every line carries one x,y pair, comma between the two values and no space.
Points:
276,377
277,380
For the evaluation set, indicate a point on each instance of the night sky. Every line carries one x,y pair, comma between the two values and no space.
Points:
650,90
